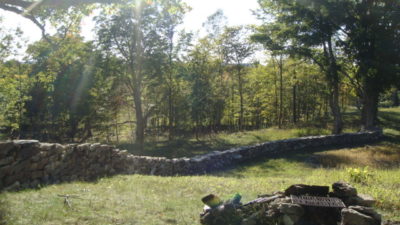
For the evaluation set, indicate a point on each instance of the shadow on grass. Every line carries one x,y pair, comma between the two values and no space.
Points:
178,148
293,164
3,207
189,147
390,119
384,154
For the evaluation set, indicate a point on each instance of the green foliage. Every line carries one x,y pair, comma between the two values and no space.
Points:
65,84
14,85
362,32
144,73
359,175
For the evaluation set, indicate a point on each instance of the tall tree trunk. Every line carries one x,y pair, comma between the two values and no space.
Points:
333,81
276,102
140,121
369,111
170,110
294,100
335,108
240,80
395,97
280,64
171,84
232,109
116,127
137,81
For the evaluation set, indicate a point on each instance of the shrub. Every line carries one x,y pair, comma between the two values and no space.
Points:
359,175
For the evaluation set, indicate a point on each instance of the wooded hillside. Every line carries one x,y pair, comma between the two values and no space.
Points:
144,75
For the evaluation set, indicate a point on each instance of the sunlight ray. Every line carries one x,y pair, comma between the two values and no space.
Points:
31,7
85,79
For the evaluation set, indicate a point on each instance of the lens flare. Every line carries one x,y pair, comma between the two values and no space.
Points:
31,7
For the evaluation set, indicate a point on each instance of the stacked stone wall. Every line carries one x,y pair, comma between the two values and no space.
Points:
29,163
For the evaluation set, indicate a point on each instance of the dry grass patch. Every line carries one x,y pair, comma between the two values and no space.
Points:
379,156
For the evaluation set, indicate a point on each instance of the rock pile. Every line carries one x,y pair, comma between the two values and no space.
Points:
297,205
29,163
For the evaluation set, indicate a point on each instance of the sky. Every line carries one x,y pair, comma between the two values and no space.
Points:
238,12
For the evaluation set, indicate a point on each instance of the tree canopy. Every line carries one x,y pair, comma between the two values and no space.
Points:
144,77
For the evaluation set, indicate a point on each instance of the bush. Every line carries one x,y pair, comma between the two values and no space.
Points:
359,175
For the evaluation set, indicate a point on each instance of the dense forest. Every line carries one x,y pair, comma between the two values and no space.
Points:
144,75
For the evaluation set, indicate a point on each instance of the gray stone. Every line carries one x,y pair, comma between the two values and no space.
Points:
5,171
19,166
26,143
47,146
353,217
83,147
367,211
35,183
29,150
292,209
251,220
37,174
362,200
6,161
302,189
276,203
237,156
344,190
289,220
94,146
292,213
13,187
37,157
5,148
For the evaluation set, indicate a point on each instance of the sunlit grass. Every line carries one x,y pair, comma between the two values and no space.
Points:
381,156
137,199
175,200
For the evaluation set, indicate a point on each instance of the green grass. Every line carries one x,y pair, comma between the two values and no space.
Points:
137,199
175,200
187,147
160,146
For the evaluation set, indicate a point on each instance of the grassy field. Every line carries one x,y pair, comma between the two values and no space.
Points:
150,200
160,146
187,147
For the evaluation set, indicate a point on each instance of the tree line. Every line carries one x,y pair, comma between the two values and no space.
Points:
145,74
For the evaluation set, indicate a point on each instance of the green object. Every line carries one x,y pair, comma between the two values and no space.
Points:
211,200
236,198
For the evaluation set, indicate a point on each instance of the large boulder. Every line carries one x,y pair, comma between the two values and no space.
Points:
302,189
292,213
362,200
359,215
344,190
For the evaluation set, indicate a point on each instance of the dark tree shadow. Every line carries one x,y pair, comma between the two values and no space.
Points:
3,207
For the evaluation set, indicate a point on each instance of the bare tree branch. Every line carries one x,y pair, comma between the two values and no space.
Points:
22,8
55,3
28,16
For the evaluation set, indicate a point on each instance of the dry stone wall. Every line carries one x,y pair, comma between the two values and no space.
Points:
29,163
